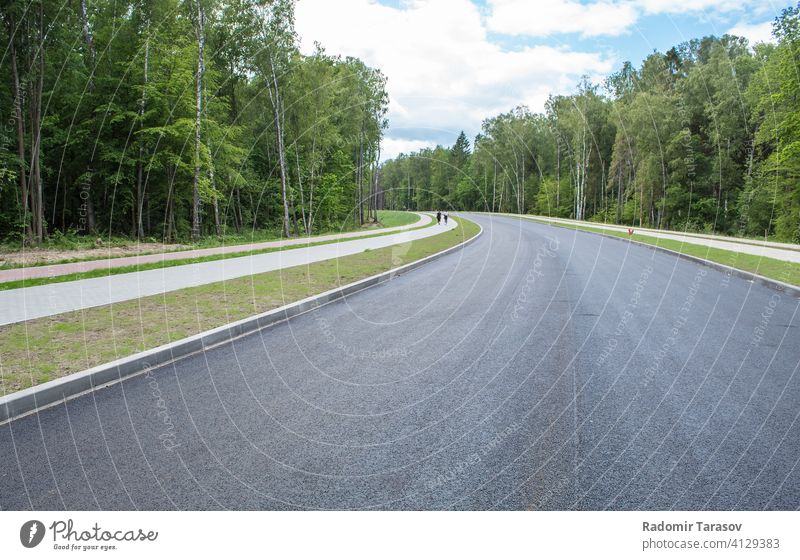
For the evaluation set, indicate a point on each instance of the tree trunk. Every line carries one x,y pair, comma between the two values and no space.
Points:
237,212
35,112
558,173
277,107
211,175
217,227
293,215
516,180
87,36
619,198
522,211
140,164
311,185
169,217
375,178
23,181
35,178
92,52
300,186
500,202
408,186
641,205
494,185
360,181
201,40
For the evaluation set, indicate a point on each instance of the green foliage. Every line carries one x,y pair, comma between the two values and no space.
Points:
119,120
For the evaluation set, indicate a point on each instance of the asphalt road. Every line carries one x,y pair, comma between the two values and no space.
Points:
537,368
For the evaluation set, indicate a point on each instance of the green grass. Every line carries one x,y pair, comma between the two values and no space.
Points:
394,218
783,271
102,272
43,349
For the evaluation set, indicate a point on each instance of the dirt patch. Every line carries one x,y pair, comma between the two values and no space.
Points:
36,256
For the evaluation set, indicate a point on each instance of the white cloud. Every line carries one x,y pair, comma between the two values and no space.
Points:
599,17
392,147
540,19
754,32
444,74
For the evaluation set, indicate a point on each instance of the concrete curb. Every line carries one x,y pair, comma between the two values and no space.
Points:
790,289
28,401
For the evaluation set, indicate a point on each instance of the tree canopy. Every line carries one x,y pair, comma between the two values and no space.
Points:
174,119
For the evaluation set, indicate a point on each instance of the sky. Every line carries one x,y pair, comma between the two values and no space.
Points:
451,64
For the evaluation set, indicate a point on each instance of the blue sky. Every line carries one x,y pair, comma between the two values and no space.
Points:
452,63
662,31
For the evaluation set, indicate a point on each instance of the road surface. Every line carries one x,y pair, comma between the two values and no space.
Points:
23,304
537,368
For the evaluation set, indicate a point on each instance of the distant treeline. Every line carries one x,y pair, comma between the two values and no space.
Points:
177,119
704,137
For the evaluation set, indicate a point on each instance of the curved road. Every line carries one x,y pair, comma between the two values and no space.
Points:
537,368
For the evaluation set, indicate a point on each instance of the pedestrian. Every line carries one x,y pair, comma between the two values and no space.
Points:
445,217
438,217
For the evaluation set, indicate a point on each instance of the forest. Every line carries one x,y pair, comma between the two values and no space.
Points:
179,119
704,137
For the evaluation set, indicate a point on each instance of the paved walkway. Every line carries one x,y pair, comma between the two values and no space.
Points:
781,251
51,299
49,271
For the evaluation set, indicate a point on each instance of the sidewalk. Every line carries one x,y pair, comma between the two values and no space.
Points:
49,271
773,250
51,299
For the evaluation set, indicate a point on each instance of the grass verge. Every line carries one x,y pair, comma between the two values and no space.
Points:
395,218
101,272
44,349
783,271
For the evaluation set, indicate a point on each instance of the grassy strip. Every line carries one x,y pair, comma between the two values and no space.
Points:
395,218
43,349
783,271
386,219
101,272
751,240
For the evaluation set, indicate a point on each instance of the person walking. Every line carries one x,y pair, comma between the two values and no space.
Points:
445,217
439,217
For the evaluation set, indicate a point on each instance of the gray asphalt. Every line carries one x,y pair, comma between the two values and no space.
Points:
537,368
